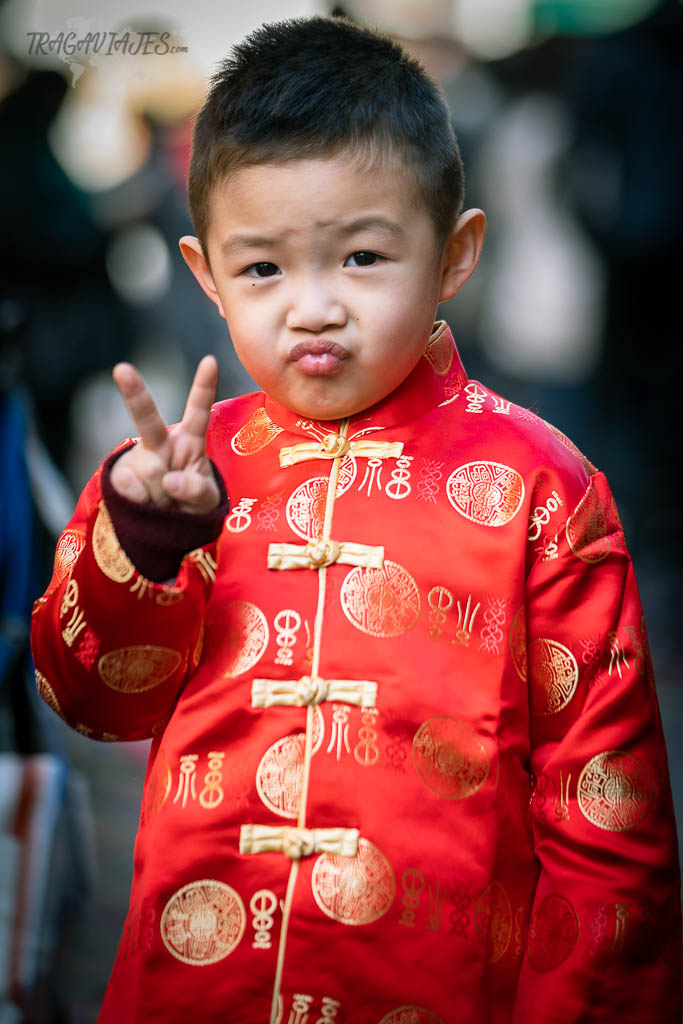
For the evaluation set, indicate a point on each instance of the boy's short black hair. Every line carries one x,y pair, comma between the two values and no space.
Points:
314,87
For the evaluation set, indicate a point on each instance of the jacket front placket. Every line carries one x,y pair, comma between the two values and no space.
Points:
302,840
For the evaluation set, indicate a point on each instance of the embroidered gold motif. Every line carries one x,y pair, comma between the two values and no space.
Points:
494,619
366,751
137,668
487,493
203,922
493,921
554,675
615,791
212,793
440,601
466,619
431,473
306,508
278,776
412,883
69,548
263,905
205,563
339,736
246,637
437,899
287,624
381,602
411,1015
476,396
239,519
540,516
553,933
354,890
562,798
587,528
399,486
439,354
518,643
257,432
47,693
449,758
109,555
500,405
186,779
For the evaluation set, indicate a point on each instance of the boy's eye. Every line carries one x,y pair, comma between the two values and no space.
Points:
362,259
262,270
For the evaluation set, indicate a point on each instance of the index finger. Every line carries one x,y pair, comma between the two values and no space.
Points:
201,397
141,406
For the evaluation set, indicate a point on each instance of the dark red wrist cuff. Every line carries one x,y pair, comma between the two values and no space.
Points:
157,539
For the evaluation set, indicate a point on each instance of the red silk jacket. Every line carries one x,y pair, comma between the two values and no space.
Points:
407,762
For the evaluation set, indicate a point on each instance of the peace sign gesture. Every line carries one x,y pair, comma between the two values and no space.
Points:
168,467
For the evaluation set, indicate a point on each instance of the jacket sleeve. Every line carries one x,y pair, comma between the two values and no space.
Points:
603,940
112,648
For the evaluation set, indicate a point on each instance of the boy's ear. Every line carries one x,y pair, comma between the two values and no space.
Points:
193,254
461,252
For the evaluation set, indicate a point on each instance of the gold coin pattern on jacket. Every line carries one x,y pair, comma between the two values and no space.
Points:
47,693
109,555
615,791
69,548
246,637
493,921
411,1015
487,493
450,758
554,675
553,933
279,775
381,602
257,432
587,528
305,508
354,890
137,668
203,922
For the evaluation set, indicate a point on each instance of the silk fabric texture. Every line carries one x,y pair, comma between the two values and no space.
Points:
411,773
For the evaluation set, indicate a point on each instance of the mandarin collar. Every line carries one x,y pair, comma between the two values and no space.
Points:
437,379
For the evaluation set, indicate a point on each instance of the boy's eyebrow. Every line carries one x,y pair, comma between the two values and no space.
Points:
373,222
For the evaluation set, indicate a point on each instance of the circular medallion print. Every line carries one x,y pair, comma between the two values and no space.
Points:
257,432
553,933
109,555
381,602
279,776
306,508
136,669
615,791
203,922
354,890
493,921
554,674
487,493
47,693
411,1015
449,758
70,545
246,637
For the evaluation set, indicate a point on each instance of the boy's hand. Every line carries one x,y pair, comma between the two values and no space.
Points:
168,467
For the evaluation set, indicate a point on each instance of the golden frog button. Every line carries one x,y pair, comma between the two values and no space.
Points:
334,445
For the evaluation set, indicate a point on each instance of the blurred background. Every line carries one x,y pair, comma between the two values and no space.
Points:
568,115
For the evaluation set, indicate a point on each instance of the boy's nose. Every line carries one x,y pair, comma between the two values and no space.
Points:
313,308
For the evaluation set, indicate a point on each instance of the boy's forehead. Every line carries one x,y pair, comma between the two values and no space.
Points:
346,191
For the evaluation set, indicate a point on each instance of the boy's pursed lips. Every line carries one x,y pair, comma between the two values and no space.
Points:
318,355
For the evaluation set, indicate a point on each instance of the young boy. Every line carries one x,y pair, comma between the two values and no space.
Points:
407,762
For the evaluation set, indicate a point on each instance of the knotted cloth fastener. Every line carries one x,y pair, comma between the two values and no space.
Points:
308,690
318,554
334,446
296,843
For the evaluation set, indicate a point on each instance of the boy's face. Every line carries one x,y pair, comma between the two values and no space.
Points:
328,275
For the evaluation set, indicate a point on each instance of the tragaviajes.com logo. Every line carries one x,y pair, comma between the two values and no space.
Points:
68,44
83,42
